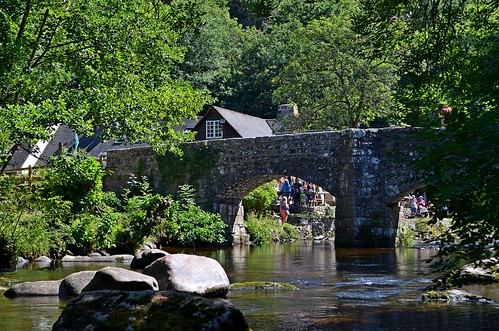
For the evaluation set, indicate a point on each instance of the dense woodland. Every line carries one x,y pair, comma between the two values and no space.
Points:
134,68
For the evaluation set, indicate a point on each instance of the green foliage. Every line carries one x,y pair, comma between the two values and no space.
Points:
461,166
260,199
264,229
93,64
30,224
186,196
288,232
405,236
195,161
93,232
446,52
174,223
140,217
260,229
185,224
193,227
333,82
76,178
213,48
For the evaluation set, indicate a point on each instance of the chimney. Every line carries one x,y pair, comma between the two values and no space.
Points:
287,110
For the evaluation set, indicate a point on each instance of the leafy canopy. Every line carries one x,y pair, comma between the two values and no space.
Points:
333,82
92,65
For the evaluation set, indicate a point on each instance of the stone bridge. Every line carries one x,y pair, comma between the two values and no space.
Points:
367,170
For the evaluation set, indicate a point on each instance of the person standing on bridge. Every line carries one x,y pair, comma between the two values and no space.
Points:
284,207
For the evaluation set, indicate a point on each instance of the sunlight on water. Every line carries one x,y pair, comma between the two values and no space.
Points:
346,289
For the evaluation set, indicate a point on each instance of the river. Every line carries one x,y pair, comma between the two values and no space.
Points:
339,289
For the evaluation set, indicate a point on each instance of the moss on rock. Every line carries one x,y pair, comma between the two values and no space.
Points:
263,286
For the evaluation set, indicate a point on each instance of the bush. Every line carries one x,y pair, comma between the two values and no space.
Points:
171,223
30,224
192,227
259,201
288,232
260,229
93,232
405,236
76,178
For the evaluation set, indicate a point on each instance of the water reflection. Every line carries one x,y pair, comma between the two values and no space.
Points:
344,289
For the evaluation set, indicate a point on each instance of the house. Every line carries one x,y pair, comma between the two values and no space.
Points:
219,123
215,124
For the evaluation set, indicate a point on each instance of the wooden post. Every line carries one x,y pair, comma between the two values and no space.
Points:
30,177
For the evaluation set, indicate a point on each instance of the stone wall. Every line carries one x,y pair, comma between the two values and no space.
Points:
366,170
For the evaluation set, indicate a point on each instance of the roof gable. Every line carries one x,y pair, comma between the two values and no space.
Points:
246,126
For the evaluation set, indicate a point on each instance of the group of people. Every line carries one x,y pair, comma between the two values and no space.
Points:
299,193
295,192
417,206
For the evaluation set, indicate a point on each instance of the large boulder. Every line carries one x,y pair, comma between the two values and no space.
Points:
30,289
190,273
149,310
112,278
146,257
74,284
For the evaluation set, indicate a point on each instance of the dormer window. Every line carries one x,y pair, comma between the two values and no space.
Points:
214,129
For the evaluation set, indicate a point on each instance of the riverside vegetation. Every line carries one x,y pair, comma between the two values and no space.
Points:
66,211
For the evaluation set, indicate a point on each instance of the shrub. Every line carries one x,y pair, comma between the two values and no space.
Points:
160,219
288,232
30,224
260,229
405,236
76,178
195,227
259,201
92,232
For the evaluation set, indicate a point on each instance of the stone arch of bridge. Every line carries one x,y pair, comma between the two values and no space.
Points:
228,199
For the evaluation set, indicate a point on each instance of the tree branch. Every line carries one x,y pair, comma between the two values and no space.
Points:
24,20
37,42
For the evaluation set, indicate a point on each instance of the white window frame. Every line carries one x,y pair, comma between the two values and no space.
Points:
214,129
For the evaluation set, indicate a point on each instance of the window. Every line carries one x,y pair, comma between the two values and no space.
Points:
214,129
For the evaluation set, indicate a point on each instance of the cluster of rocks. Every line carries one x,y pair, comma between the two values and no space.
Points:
172,291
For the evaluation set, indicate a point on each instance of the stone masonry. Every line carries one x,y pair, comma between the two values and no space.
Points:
367,170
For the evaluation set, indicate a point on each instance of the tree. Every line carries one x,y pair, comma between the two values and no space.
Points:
213,48
92,65
461,163
442,49
448,54
268,46
259,201
332,81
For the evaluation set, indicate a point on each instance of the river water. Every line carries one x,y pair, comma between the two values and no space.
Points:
339,289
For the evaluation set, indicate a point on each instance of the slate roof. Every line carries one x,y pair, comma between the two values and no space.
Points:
188,125
63,137
246,125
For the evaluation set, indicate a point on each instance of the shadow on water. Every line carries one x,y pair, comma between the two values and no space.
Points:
344,289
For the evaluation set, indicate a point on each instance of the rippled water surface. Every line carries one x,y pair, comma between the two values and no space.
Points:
339,289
